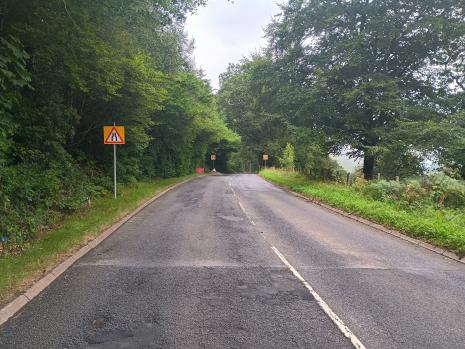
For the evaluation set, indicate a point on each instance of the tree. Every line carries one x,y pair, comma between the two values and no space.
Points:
247,99
288,157
442,141
13,77
365,65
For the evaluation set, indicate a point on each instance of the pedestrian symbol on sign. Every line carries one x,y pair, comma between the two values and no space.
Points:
114,136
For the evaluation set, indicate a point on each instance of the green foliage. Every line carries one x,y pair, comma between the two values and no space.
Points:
13,72
245,159
187,128
316,164
247,100
438,190
288,157
36,196
448,191
69,67
250,99
236,164
381,79
355,74
384,190
443,140
362,67
13,77
399,160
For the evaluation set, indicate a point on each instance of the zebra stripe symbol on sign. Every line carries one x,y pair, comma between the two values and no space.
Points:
113,135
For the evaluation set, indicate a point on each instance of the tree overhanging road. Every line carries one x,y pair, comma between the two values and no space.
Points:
198,268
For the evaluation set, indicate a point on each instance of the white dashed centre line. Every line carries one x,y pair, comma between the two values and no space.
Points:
321,303
245,212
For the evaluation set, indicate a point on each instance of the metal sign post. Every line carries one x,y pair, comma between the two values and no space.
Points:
114,135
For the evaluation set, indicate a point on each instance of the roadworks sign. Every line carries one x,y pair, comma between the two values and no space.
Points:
113,135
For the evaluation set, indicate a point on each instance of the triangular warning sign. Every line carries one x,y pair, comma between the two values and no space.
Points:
114,137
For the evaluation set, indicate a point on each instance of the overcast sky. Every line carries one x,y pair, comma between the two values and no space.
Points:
224,32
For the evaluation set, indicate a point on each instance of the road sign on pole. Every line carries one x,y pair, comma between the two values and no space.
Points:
114,135
213,158
114,169
265,157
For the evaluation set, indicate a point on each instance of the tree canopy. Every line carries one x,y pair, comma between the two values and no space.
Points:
355,74
69,67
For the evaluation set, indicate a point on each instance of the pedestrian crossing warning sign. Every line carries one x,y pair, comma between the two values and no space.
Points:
113,135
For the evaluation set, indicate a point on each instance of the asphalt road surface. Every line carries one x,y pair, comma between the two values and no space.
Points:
233,262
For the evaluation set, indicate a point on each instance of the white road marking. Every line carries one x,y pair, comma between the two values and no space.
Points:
243,209
245,212
232,189
323,305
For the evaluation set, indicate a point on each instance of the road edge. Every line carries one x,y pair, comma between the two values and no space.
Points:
438,250
13,307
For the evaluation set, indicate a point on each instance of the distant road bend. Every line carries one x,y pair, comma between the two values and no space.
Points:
234,262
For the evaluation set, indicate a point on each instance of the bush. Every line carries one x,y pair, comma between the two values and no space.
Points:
288,158
316,164
447,191
33,197
414,193
437,189
384,190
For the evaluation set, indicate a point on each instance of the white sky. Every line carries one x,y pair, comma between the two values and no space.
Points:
224,32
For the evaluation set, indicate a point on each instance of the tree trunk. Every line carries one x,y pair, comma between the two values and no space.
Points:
368,166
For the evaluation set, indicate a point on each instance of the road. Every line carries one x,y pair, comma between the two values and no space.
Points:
230,262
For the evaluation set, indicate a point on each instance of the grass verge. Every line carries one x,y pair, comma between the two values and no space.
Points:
444,228
18,271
